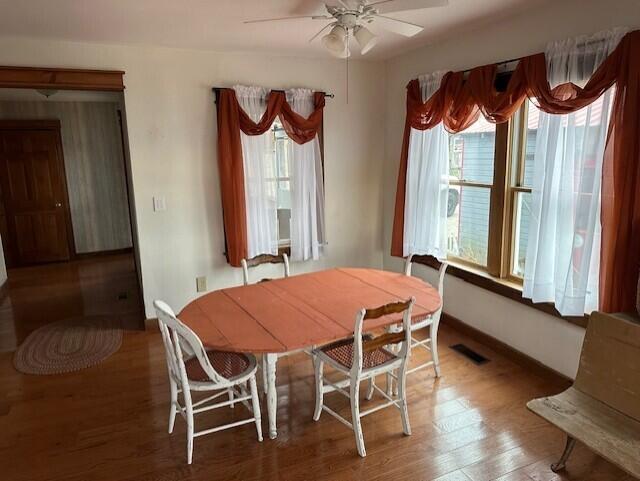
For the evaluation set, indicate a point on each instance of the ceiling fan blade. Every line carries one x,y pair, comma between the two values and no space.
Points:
388,6
397,26
321,30
278,19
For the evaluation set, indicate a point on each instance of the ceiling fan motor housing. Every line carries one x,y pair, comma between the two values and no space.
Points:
348,20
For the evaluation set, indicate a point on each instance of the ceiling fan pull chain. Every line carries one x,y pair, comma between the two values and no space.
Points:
348,36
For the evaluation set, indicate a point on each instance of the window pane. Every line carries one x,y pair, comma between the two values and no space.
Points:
284,226
584,147
282,156
284,194
468,227
471,153
521,232
284,212
533,115
282,183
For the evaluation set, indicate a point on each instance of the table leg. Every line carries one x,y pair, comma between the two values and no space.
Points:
272,395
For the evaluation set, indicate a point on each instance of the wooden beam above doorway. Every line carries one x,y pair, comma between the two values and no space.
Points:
61,78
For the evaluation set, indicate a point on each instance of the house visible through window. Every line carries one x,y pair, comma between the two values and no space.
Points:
491,174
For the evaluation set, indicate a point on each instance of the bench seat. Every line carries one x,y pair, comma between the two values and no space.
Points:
609,433
602,408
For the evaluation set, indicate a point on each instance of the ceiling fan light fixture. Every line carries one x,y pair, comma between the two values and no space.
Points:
365,38
335,41
346,53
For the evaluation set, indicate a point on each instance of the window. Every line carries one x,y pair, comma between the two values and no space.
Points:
523,144
471,172
282,182
490,180
490,183
279,177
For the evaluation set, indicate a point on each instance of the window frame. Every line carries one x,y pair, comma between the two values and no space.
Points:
516,185
479,185
497,235
285,248
508,183
282,243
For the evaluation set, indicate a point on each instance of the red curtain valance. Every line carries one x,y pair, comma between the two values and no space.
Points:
459,102
232,119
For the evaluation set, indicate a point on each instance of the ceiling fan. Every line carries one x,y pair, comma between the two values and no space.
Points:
349,19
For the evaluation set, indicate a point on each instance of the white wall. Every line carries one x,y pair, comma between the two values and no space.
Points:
172,138
552,341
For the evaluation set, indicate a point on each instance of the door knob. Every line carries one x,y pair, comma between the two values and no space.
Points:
58,204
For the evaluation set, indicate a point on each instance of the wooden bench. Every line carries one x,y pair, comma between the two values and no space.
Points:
602,408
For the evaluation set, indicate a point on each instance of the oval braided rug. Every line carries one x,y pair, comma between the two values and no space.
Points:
68,345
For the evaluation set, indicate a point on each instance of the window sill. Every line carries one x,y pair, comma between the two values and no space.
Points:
501,287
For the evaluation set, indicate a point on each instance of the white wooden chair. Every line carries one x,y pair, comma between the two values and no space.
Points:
256,261
432,322
361,359
264,259
203,370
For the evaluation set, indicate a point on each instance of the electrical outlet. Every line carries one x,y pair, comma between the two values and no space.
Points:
201,284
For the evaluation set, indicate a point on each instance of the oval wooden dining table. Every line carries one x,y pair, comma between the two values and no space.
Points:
300,312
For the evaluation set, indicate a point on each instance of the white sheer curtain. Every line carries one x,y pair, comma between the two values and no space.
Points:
427,189
563,251
307,186
259,176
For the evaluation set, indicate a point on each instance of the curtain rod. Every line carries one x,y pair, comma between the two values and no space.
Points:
215,89
504,63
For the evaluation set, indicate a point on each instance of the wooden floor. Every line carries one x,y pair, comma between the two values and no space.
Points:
35,296
108,423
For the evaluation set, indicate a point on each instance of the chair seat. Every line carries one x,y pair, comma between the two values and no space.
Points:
227,364
341,353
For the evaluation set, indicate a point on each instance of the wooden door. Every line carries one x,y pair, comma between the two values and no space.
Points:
35,206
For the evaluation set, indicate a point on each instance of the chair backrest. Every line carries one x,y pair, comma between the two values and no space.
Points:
177,339
408,264
609,368
404,337
441,273
264,259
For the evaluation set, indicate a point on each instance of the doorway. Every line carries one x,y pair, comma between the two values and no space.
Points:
67,217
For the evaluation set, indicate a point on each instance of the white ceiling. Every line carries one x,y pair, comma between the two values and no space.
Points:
217,24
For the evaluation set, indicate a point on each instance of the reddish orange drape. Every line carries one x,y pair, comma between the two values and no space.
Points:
458,103
231,120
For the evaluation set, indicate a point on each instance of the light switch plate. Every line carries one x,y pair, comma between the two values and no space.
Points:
201,284
159,204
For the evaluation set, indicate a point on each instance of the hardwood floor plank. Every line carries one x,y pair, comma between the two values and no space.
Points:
501,464
455,476
458,421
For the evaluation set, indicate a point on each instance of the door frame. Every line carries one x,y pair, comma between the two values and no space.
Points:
51,125
84,79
